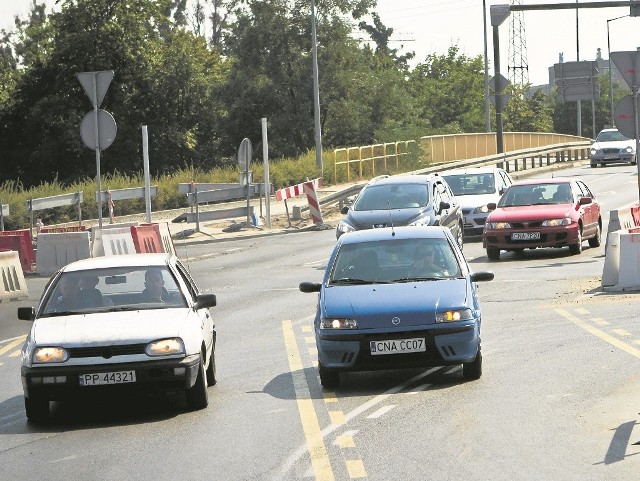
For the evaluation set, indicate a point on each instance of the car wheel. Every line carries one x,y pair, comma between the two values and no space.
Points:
577,248
473,370
211,370
328,378
596,240
37,409
493,253
594,165
197,396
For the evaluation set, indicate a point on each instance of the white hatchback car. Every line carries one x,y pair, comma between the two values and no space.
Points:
118,324
475,187
611,146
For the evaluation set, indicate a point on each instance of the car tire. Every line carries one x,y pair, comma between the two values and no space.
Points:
576,249
596,240
37,409
328,377
493,253
473,370
594,165
197,396
211,369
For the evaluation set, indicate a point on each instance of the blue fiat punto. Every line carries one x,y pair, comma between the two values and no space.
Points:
395,298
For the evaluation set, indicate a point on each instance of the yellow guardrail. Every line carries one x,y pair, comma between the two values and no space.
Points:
364,160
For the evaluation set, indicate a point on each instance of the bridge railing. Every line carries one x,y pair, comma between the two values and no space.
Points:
365,161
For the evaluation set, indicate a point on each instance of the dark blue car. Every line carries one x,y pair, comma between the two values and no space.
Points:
393,298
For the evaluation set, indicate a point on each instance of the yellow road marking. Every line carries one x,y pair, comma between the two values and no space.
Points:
602,322
306,328
310,425
330,397
313,351
310,340
622,332
15,353
580,310
337,417
598,333
12,344
355,467
345,441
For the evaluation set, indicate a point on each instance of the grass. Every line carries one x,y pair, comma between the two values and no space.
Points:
282,173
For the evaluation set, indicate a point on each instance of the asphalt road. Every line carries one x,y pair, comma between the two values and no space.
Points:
558,399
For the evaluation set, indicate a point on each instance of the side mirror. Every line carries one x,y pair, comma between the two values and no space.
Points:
444,206
491,206
482,276
585,200
205,300
309,287
26,313
344,210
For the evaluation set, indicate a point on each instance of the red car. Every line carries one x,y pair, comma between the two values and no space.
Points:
543,213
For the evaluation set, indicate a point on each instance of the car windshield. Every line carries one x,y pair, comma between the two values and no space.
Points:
534,194
471,184
387,261
610,136
99,290
392,196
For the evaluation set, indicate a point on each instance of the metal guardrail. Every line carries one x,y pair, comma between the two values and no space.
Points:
515,161
391,151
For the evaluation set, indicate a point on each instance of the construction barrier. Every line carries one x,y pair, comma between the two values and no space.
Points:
146,238
296,190
112,241
627,266
57,249
165,236
619,219
20,241
58,230
312,199
13,286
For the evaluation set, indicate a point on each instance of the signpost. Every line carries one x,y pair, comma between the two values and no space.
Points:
628,64
244,160
95,85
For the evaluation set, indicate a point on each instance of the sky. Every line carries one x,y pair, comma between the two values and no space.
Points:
432,26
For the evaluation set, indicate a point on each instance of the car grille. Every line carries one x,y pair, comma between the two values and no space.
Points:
610,151
526,225
107,351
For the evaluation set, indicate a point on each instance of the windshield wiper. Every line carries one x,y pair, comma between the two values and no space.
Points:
63,313
418,279
351,280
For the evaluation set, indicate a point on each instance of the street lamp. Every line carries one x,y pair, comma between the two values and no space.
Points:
610,76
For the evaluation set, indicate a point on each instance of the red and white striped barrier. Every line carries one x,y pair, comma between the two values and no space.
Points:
296,190
312,199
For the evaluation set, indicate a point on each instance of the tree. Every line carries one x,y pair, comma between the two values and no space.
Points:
523,114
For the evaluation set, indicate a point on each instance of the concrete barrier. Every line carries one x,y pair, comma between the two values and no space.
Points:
619,219
57,249
611,269
146,238
20,241
13,286
165,236
112,242
628,263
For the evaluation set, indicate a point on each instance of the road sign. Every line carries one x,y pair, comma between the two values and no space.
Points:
577,80
244,154
102,78
106,129
499,13
628,64
499,85
624,116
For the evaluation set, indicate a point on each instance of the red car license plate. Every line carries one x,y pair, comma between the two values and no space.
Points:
525,236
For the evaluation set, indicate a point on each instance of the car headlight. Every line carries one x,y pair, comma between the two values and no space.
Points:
338,323
454,315
345,227
483,209
629,149
43,355
426,220
498,225
556,222
593,151
165,347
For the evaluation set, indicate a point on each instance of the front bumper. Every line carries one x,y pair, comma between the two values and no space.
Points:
561,236
445,345
474,223
602,158
62,382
